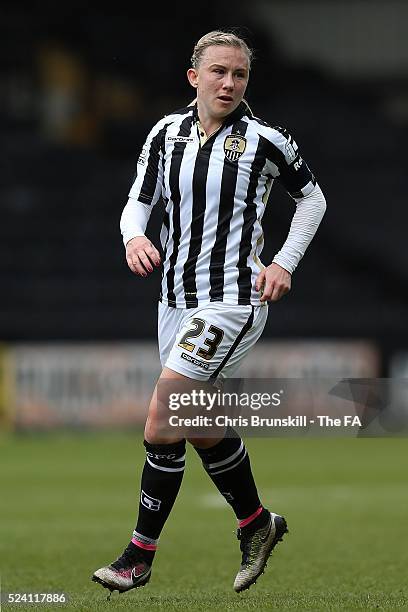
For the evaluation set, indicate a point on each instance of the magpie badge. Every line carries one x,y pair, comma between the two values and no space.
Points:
234,146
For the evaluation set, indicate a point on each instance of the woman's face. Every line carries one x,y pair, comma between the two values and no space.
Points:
221,79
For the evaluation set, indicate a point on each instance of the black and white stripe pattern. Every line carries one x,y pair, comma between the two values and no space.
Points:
165,464
215,196
166,457
229,463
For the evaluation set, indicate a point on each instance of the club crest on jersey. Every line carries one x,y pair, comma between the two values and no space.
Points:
234,146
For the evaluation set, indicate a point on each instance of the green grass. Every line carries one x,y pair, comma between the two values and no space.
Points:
68,505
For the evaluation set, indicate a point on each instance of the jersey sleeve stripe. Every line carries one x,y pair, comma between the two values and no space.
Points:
154,170
294,173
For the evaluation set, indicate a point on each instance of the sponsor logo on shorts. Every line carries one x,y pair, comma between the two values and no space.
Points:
195,361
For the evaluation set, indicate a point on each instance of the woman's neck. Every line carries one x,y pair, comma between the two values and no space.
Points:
208,123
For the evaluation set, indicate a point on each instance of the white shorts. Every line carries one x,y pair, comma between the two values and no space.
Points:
208,342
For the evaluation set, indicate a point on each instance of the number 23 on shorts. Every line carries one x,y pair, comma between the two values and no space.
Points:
212,338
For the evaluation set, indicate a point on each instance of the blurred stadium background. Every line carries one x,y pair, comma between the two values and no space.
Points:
80,89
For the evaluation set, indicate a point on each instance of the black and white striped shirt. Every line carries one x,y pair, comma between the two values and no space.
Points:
215,195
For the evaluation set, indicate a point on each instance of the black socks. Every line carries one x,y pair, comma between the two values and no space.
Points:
227,463
161,479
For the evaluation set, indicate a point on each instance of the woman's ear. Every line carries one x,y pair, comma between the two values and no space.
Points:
192,77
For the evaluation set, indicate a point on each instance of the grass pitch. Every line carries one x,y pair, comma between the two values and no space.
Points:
68,505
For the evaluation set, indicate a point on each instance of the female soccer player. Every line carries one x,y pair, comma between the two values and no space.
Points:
213,164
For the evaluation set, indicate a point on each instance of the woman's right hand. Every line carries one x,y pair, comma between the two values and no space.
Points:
141,255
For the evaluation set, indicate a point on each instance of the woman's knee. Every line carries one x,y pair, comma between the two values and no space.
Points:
157,428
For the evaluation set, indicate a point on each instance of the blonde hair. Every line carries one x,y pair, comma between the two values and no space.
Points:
220,38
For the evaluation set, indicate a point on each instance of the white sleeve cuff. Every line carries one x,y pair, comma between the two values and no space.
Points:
309,212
